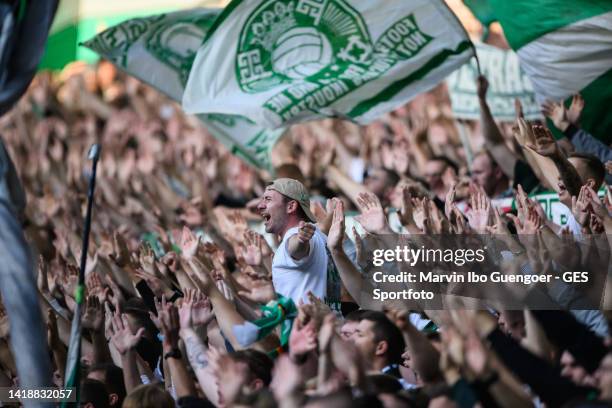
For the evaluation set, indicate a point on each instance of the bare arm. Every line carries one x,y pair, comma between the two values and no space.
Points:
298,245
349,187
125,342
494,141
169,324
197,356
227,316
546,146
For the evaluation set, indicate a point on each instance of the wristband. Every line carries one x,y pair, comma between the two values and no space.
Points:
174,353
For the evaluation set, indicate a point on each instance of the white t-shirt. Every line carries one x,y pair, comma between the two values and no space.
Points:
295,278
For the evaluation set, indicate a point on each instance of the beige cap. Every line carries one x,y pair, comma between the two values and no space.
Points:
296,191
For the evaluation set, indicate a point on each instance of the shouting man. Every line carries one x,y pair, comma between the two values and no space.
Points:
301,263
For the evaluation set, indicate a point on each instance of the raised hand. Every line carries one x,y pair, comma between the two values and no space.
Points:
122,336
372,217
287,378
335,236
575,110
524,134
251,249
545,144
362,259
238,222
480,212
195,310
121,254
580,206
95,286
260,290
533,222
94,316
596,224
189,244
157,285
556,112
499,227
306,231
146,258
421,212
167,321
407,211
595,203
302,340
70,280
326,332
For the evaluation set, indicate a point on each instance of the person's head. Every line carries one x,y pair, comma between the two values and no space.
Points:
284,204
380,182
571,369
351,321
149,396
258,368
435,170
603,376
488,175
589,168
591,171
112,376
94,394
513,323
378,340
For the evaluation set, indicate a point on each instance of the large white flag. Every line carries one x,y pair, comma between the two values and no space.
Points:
160,50
286,61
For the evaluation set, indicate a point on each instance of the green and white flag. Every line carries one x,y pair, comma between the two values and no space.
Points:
286,61
159,50
565,47
507,82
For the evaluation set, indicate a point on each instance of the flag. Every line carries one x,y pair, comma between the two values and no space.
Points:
279,62
159,50
78,20
507,82
565,47
279,312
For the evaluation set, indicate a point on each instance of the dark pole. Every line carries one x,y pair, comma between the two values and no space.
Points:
72,378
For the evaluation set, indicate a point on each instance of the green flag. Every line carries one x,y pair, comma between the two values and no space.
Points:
160,50
279,62
565,47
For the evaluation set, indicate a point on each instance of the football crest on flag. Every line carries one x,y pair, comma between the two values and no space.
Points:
287,61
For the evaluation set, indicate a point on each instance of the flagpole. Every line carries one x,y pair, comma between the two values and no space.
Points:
71,378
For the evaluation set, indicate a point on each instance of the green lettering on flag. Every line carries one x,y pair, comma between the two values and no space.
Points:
160,50
287,61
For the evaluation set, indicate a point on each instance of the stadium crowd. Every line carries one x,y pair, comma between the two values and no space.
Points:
211,283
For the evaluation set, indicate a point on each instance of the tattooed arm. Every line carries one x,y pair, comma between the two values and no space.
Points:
198,358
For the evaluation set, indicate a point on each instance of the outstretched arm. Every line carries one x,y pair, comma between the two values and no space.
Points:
494,141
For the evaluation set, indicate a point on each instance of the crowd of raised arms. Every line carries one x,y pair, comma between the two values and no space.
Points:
192,252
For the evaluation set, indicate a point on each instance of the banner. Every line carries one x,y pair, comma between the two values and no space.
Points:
507,81
285,61
159,50
565,47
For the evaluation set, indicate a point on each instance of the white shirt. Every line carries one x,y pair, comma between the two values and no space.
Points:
295,278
